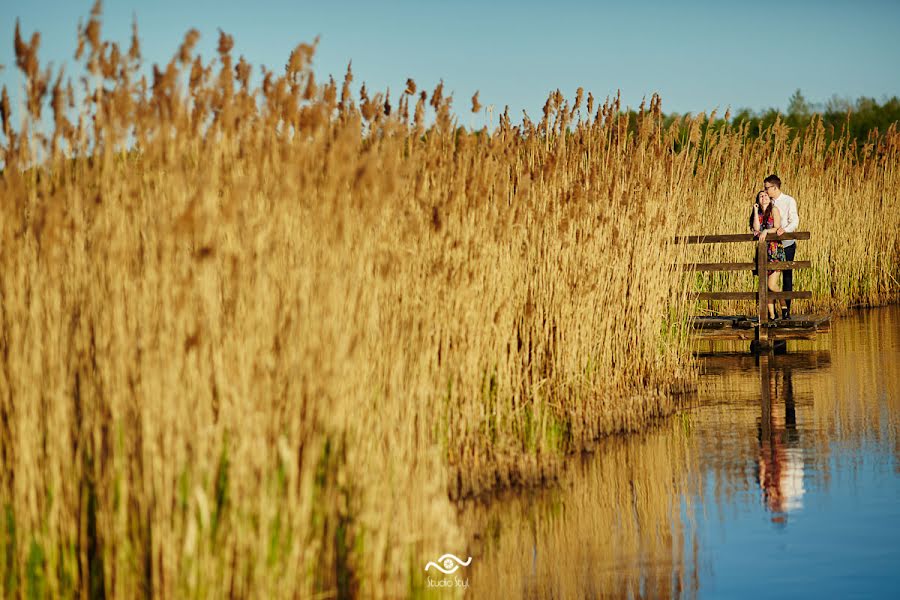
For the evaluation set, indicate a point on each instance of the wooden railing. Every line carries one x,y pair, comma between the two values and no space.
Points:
761,265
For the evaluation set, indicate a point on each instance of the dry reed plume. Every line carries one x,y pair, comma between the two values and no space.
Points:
256,338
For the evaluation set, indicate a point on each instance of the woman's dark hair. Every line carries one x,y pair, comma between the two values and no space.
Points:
764,217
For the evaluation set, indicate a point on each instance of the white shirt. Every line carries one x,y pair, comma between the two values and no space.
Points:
790,218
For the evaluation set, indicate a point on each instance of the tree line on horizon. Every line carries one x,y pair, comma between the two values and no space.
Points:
841,117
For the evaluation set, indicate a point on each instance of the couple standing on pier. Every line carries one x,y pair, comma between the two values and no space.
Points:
776,213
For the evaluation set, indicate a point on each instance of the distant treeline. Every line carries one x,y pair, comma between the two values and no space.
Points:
841,117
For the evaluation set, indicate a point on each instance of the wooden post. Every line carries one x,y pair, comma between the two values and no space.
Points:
761,260
765,391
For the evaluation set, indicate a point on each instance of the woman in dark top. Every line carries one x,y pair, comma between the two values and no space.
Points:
766,219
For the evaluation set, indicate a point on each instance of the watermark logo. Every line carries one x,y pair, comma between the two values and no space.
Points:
449,563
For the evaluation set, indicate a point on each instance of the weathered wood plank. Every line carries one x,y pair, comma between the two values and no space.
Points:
820,321
724,334
792,295
788,265
770,333
748,266
740,322
795,295
806,321
710,323
717,266
738,237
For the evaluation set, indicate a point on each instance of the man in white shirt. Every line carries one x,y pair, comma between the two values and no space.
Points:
790,220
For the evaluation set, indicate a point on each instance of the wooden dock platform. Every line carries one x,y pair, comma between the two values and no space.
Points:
758,329
740,327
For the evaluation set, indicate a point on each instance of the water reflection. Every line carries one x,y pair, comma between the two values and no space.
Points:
780,471
808,441
613,527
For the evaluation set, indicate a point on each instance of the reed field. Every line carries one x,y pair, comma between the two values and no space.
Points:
847,194
258,340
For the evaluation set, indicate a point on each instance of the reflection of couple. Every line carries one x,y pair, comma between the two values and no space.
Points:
776,213
780,457
781,479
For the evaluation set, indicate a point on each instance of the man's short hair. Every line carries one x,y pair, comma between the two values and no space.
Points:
774,180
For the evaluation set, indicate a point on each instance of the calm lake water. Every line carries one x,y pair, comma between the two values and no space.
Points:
780,480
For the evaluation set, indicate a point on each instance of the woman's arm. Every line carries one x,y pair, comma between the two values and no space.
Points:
776,216
754,219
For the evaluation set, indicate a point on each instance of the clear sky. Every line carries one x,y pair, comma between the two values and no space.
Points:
697,55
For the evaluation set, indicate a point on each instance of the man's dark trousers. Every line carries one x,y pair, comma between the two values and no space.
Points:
788,276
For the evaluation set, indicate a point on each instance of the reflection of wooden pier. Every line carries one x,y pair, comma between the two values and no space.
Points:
720,363
758,329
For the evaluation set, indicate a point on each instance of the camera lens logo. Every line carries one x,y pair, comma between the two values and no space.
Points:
449,563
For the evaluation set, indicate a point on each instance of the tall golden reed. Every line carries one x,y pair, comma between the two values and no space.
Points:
255,339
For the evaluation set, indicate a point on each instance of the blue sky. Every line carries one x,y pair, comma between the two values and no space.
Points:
697,55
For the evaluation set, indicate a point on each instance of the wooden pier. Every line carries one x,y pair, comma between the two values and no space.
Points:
762,333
